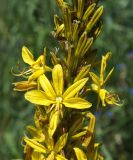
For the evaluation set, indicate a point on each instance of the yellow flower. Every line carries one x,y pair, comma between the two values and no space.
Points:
49,150
37,67
54,93
99,82
24,85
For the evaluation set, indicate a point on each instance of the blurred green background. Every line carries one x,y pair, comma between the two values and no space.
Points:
29,23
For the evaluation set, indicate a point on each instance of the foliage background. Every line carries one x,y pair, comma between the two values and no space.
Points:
29,22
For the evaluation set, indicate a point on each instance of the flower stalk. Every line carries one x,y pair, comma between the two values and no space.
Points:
64,125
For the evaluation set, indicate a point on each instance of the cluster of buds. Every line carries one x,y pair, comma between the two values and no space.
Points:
64,123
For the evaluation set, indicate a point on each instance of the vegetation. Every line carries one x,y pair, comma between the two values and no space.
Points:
29,23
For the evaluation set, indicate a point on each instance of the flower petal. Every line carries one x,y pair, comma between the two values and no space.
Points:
102,94
80,154
109,75
77,103
103,65
35,145
58,81
36,133
95,78
36,74
27,56
46,86
41,60
38,97
75,88
37,156
79,135
60,157
54,121
61,143
94,87
90,130
24,85
82,73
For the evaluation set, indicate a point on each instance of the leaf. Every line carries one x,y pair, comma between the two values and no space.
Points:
27,56
75,88
46,86
38,97
58,82
80,154
77,103
35,145
61,143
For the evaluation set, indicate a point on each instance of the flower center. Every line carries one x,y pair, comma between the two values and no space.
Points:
59,99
